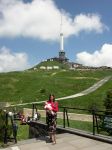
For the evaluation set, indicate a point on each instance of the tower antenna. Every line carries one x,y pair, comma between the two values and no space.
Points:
61,35
61,25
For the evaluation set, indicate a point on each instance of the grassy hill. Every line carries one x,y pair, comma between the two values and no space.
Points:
28,86
51,63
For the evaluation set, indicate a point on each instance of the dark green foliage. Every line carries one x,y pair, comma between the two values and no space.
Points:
93,107
4,126
108,102
42,90
2,123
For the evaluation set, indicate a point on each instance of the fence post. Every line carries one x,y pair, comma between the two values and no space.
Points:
33,111
64,117
93,113
67,118
36,108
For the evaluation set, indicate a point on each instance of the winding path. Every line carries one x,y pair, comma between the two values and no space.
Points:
89,90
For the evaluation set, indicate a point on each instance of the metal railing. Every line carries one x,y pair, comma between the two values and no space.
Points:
95,116
94,113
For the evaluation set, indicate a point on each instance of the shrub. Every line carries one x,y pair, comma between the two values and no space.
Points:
3,125
93,106
108,102
42,90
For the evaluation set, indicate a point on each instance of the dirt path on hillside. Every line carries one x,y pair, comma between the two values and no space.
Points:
89,90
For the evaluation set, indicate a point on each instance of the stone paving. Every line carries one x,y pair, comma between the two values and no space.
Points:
65,141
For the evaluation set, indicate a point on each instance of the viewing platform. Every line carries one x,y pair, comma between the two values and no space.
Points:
65,141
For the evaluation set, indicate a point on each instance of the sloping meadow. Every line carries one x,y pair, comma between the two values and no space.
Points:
29,86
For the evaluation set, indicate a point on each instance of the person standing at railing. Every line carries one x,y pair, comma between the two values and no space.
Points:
51,107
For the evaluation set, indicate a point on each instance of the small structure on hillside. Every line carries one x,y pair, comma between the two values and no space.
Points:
42,67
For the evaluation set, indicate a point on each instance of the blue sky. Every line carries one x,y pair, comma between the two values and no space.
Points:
29,32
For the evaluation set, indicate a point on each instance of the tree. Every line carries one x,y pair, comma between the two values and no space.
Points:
5,125
2,123
108,102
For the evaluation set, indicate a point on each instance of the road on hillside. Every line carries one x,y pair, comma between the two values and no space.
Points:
89,90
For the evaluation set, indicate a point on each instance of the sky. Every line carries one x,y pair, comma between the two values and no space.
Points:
30,32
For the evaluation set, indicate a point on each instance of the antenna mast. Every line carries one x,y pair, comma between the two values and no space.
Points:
61,35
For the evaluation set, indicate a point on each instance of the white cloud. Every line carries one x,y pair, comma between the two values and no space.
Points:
12,61
41,19
102,57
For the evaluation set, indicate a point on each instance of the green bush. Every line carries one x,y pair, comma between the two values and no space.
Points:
108,102
93,106
42,90
3,125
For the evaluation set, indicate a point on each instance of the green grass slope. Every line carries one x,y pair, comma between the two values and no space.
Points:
94,99
28,86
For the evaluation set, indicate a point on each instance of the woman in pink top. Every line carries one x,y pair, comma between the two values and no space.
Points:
51,107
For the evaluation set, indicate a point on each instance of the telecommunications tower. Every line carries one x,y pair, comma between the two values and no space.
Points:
62,57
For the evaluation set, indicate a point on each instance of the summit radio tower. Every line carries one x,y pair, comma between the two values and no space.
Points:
62,57
61,36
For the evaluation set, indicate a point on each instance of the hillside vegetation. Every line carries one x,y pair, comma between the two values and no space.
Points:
51,64
28,86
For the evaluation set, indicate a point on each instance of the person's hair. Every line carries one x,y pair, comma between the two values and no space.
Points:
53,97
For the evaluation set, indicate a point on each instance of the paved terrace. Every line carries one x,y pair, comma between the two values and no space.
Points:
65,141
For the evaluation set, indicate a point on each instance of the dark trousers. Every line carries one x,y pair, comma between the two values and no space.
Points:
5,136
15,135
